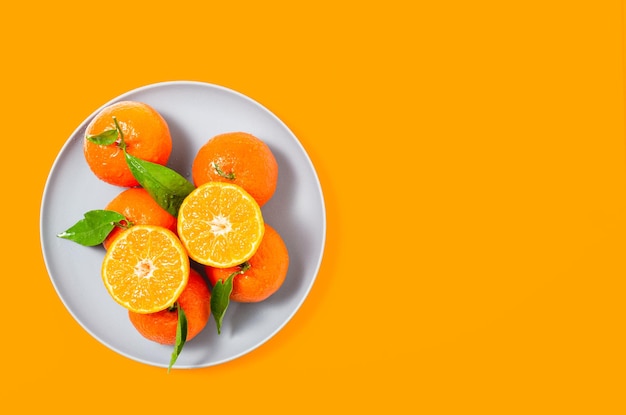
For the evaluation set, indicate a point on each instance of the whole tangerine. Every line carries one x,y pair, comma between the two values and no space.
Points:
160,327
145,134
264,274
220,224
139,208
239,158
145,269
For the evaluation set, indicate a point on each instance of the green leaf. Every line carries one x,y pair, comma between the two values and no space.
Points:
166,186
94,227
220,296
181,336
105,138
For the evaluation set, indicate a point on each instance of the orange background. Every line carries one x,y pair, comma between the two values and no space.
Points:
472,159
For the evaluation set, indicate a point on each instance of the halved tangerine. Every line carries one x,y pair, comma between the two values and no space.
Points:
220,224
145,268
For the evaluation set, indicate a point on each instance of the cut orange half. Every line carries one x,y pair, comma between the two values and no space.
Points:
220,224
146,268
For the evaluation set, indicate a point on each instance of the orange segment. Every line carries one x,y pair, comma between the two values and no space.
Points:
145,269
220,224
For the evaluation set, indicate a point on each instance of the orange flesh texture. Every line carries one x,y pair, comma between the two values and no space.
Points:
220,225
146,271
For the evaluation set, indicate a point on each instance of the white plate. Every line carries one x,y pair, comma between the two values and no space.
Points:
195,112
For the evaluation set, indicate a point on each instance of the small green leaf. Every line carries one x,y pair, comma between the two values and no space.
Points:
105,138
166,186
94,227
220,296
181,336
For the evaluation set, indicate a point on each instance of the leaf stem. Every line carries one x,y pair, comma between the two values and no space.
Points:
122,143
244,267
124,224
219,171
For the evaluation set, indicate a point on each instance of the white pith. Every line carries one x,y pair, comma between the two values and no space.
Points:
144,268
220,225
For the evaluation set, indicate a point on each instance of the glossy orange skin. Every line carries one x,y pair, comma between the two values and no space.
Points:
267,272
146,134
249,158
160,327
140,209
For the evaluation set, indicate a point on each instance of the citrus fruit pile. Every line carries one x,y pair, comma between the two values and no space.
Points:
177,252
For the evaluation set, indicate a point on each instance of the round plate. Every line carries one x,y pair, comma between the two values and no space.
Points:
195,112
